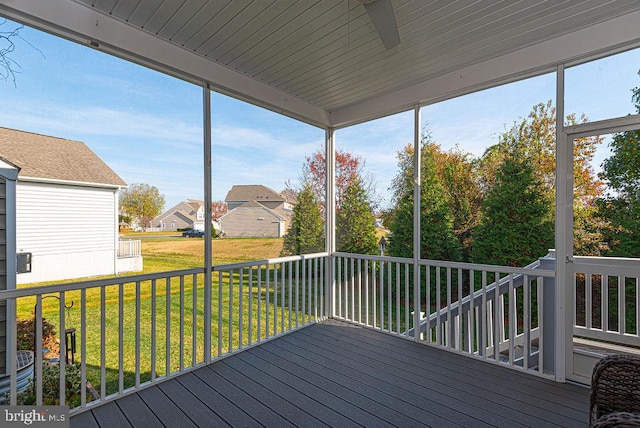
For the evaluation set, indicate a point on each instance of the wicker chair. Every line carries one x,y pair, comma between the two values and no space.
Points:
615,392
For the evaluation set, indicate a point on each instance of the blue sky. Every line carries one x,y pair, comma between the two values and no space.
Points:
148,126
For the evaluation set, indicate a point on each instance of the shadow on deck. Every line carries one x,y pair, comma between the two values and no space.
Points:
336,374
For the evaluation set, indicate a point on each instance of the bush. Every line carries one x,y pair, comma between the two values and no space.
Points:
26,336
51,386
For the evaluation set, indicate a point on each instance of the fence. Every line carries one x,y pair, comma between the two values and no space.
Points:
136,331
129,248
491,312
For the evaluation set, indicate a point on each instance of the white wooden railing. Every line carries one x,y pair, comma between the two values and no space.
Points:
464,307
129,248
136,331
607,301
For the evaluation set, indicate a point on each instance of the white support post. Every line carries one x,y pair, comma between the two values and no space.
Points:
416,223
330,214
563,237
206,110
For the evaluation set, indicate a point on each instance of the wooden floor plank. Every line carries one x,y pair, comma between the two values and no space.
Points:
84,420
250,405
520,399
109,415
166,410
384,386
339,374
331,396
190,405
218,403
137,412
396,406
273,393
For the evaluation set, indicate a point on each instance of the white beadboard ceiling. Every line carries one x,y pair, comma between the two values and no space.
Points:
326,54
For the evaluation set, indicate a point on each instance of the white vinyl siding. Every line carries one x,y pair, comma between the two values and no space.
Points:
70,230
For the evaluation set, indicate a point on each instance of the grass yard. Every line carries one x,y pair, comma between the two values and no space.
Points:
175,300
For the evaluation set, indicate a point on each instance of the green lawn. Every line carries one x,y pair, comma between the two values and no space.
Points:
165,254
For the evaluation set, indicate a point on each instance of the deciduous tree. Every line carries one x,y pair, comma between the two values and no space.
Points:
141,202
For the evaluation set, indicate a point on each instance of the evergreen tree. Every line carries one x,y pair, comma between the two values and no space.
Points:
622,209
516,223
355,224
437,238
306,233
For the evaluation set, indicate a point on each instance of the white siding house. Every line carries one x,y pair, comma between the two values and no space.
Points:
66,207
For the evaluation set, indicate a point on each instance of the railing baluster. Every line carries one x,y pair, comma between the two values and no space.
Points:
398,306
366,292
604,317
259,315
275,299
450,321
309,287
427,297
290,289
315,289
38,350
266,304
526,348
512,319
250,308
138,336
120,337
389,298
483,317
304,282
241,309
498,321
459,341
359,291
438,307
353,294
373,292
622,302
182,322
220,319
540,303
588,304
230,313
167,331
406,298
297,292
381,290
470,317
83,351
103,364
194,319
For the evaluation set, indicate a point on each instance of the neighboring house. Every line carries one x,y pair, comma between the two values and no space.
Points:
66,207
187,214
256,211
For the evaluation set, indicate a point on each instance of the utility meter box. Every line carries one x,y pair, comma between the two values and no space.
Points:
24,262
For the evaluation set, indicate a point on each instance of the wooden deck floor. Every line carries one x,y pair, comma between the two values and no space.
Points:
335,374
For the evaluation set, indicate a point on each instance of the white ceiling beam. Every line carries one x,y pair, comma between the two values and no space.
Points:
588,43
82,24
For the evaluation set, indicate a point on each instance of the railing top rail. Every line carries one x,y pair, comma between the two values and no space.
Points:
606,261
527,270
72,286
376,258
252,263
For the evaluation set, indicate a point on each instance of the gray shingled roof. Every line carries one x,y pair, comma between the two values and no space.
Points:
252,192
52,158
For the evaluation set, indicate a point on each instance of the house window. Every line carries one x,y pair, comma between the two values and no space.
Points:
260,218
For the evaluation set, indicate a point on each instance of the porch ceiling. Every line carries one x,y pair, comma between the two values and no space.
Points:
322,60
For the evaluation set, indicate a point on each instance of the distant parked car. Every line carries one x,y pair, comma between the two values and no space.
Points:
193,233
